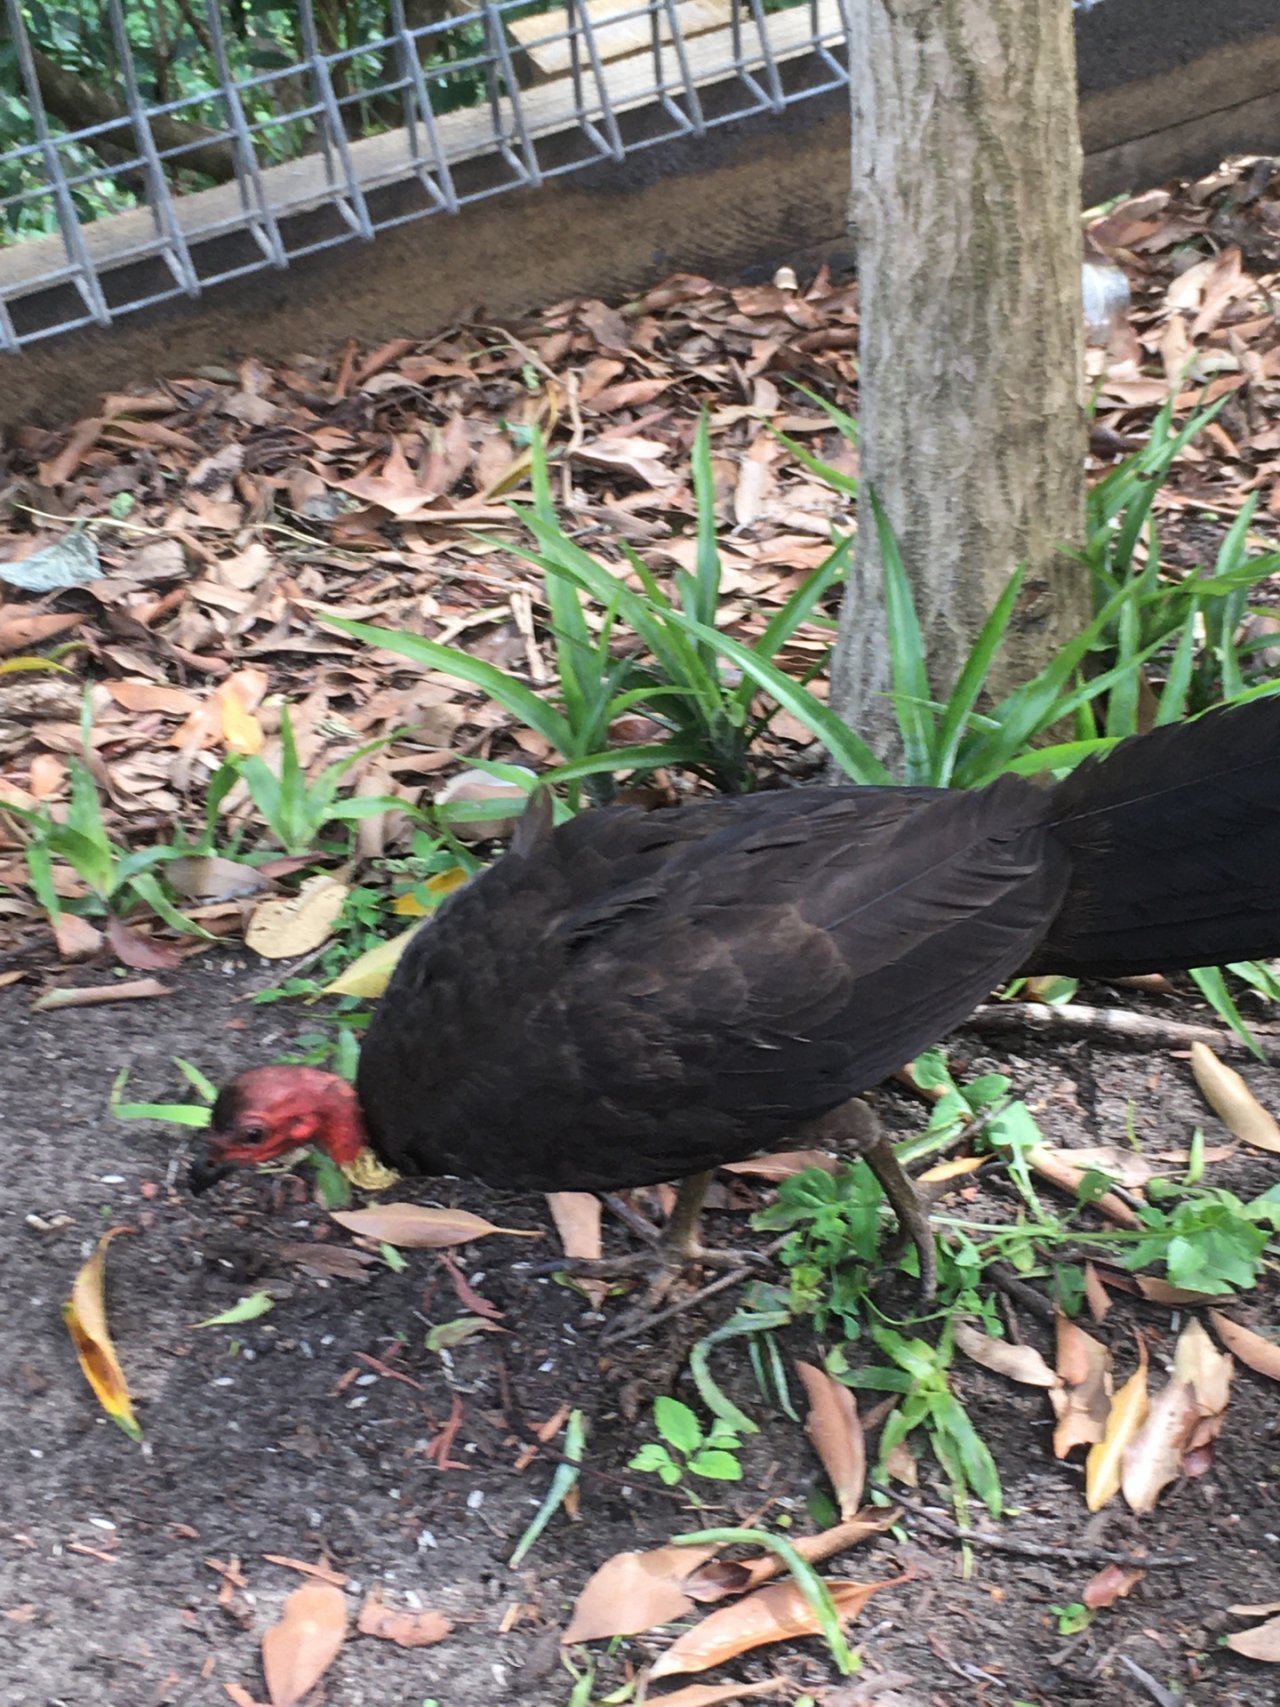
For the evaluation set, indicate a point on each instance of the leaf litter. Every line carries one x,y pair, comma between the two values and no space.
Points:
360,482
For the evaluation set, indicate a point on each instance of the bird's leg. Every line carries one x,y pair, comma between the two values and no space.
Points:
677,1247
680,1241
856,1123
912,1215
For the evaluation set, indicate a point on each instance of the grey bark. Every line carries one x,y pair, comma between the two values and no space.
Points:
965,204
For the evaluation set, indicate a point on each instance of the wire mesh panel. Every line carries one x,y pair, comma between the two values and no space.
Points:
221,139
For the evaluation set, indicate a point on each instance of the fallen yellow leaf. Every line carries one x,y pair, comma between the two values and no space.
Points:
85,1314
1232,1100
369,973
240,728
285,926
1104,1465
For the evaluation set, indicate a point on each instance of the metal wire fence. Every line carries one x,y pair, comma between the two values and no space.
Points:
254,162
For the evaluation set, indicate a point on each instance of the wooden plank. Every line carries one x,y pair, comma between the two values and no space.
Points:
619,27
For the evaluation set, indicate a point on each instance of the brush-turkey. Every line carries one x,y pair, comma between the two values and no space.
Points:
635,996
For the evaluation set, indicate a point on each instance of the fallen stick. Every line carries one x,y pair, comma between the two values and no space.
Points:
1074,1019
1041,1549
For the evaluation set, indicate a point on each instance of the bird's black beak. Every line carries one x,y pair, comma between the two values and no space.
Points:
206,1170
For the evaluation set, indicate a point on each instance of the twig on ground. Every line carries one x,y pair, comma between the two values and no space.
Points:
628,1329
1043,1550
1159,1694
1001,1275
1074,1019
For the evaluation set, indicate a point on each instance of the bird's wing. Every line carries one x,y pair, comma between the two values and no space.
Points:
638,1000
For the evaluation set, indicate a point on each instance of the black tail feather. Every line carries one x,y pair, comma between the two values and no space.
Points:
1175,849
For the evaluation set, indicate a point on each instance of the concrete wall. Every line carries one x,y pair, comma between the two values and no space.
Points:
1167,86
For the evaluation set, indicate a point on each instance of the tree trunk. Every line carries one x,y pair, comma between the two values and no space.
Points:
966,208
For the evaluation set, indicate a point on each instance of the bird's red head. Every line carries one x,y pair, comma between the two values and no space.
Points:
269,1111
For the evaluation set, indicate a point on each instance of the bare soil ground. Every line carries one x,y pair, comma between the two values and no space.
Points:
277,1437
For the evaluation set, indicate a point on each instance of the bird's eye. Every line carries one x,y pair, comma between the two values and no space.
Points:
253,1134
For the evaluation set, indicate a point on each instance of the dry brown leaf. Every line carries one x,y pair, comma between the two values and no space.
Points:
477,787
82,437
1057,1167
1196,1359
900,1465
1082,1403
241,1696
783,1164
1021,1363
154,696
1096,1295
285,926
577,1218
411,1227
298,1650
1268,1609
634,1592
1129,1168
1112,1583
1232,1100
210,877
1155,1290
1153,1458
719,1694
406,1629
76,938
1261,1355
1104,1466
85,1314
835,1431
20,631
143,953
720,1578
1261,1643
778,1613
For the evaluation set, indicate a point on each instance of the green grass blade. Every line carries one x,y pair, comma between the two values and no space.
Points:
534,712
707,560
803,1574
849,751
911,692
567,1473
969,683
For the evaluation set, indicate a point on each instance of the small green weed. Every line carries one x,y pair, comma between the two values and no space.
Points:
685,1449
298,809
920,1373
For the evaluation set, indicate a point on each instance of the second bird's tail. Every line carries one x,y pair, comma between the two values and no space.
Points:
1174,842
